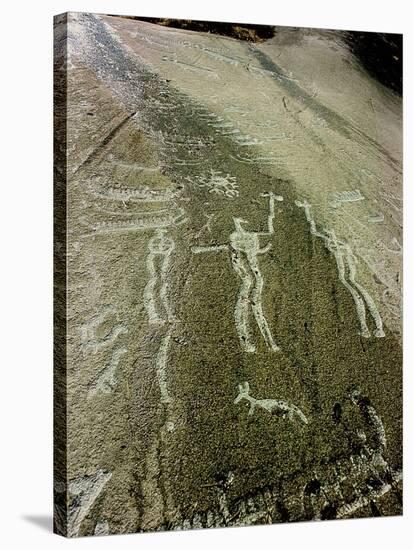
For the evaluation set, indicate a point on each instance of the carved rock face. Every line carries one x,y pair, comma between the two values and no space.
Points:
173,136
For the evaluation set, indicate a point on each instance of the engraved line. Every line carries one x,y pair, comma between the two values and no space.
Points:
269,405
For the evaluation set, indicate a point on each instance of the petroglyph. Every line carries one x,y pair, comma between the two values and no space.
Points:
247,140
322,496
398,249
370,461
349,509
282,408
206,226
199,69
337,199
222,124
123,210
153,504
267,124
178,161
155,296
230,132
231,60
96,335
272,197
370,414
161,364
244,247
189,142
146,220
217,183
187,170
142,194
378,218
150,40
137,167
356,475
156,301
391,299
392,294
262,159
106,381
84,491
347,269
237,110
209,117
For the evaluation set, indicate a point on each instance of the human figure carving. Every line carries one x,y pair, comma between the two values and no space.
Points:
244,248
157,264
347,268
92,333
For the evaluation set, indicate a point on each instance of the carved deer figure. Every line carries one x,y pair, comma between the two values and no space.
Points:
281,407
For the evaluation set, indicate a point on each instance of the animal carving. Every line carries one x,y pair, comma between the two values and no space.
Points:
282,408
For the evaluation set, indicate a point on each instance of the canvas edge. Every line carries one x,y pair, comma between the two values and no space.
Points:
60,488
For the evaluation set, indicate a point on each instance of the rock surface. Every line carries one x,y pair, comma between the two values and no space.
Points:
233,258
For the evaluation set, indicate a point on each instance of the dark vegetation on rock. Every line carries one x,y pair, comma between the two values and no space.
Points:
242,31
381,54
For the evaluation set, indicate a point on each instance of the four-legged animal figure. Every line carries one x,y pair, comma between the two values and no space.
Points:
281,407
